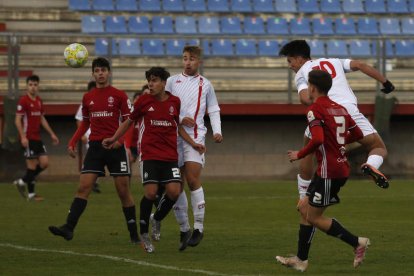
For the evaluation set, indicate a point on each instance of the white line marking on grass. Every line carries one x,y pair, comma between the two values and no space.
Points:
114,258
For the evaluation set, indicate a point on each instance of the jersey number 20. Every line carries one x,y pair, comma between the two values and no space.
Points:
327,67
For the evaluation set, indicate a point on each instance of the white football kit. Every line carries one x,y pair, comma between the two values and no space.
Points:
197,95
340,92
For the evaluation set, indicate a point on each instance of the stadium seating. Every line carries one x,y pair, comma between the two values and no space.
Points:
300,26
195,6
360,48
115,24
102,5
101,47
285,6
317,48
277,26
336,48
411,5
185,25
322,26
126,5
265,6
150,5
173,5
345,26
308,6
92,24
162,25
230,25
153,47
218,5
139,25
193,42
407,26
367,26
246,47
129,47
330,6
269,48
241,6
375,6
397,6
174,47
404,48
79,5
222,47
254,25
389,48
208,25
352,6
205,44
389,26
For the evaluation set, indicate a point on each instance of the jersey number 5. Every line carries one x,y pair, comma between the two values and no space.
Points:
340,129
327,67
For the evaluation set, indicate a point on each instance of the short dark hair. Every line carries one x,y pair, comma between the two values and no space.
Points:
91,84
321,79
295,48
34,78
100,62
160,72
193,49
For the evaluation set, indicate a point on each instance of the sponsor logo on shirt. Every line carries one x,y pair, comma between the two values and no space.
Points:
98,114
161,123
35,113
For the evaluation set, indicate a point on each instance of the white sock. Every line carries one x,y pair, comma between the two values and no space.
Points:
31,195
181,212
375,161
198,204
302,186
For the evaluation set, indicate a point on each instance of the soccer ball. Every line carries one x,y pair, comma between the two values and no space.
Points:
76,55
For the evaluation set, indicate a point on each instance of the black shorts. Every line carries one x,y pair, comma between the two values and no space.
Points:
159,172
97,157
323,192
134,152
35,149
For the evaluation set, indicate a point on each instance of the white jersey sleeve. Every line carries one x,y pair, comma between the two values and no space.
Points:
78,115
346,64
301,79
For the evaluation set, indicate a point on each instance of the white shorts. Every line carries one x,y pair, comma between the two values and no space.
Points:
187,153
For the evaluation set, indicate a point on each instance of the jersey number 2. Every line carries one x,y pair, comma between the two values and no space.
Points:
327,67
340,129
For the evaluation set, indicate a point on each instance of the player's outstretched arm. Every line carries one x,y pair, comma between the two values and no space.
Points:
109,142
357,65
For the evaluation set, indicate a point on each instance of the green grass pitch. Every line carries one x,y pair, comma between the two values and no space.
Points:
247,224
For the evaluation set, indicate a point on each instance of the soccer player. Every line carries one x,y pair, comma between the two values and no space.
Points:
79,119
29,118
102,108
159,115
197,96
331,127
299,60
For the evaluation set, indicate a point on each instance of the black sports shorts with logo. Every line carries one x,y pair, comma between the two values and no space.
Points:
323,192
97,157
35,149
159,172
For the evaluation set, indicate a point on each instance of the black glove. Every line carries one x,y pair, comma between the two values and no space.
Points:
388,87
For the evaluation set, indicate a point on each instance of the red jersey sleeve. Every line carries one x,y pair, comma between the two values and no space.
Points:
125,106
138,108
315,123
21,107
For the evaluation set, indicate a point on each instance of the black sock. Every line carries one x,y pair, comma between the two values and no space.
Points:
164,208
28,178
37,171
338,231
160,192
131,219
145,213
76,210
305,239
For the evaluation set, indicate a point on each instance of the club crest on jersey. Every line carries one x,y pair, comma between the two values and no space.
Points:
178,81
342,150
171,110
110,101
310,116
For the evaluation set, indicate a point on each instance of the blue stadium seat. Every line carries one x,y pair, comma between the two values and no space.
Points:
138,25
265,6
101,47
230,25
222,47
92,24
218,5
126,5
206,47
283,6
331,6
389,26
153,47
174,47
195,6
317,48
241,6
162,25
322,26
185,25
345,26
129,47
102,5
277,26
208,25
246,47
404,48
389,48
407,26
375,6
115,25
352,6
360,48
79,5
368,26
173,5
308,6
253,25
411,5
397,6
193,42
336,48
300,26
150,5
269,48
